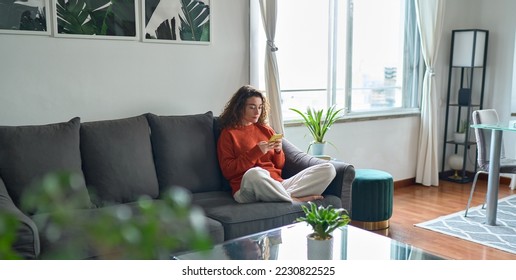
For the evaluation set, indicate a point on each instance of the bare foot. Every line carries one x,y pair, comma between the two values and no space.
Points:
307,198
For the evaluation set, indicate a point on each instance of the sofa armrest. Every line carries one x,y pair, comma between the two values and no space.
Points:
297,160
27,241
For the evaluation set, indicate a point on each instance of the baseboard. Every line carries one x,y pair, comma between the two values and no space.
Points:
503,180
412,181
404,183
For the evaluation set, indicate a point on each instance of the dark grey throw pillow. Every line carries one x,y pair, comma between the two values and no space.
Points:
117,160
185,152
28,153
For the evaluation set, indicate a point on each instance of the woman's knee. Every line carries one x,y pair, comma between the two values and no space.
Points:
254,174
328,169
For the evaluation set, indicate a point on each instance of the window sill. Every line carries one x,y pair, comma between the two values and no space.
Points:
369,116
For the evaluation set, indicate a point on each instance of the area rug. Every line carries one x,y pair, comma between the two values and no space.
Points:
473,227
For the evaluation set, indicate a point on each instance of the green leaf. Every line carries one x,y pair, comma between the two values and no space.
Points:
319,122
324,220
195,21
8,230
96,17
73,17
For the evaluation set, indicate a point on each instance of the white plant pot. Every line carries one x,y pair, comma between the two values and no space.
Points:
319,249
317,148
459,137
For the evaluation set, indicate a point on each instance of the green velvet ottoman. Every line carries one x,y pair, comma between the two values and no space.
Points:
371,199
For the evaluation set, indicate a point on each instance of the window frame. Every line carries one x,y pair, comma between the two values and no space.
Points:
410,98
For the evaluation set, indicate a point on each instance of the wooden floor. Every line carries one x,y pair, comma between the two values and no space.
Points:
417,203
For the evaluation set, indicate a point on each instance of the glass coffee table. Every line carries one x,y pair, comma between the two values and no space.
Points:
289,243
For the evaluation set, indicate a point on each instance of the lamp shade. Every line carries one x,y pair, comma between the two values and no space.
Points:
455,162
469,47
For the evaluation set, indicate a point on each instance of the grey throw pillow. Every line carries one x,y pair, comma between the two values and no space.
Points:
185,152
117,160
28,153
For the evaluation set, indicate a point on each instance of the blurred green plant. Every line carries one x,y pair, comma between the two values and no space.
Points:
145,229
8,226
154,230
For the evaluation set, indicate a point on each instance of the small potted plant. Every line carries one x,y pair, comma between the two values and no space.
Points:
318,123
460,135
323,220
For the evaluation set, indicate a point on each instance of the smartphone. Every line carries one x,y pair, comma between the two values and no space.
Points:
275,137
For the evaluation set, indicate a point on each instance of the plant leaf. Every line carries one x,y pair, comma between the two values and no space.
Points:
319,122
73,17
195,21
324,220
96,17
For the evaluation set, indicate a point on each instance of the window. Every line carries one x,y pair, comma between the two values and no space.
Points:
362,55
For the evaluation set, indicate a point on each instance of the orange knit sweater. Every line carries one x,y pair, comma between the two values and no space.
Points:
238,152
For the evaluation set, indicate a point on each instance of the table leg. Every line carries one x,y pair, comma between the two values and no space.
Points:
494,177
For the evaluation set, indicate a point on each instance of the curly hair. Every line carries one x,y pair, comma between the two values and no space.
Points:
234,110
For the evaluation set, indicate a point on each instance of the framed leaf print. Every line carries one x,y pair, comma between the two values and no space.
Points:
176,21
101,19
25,17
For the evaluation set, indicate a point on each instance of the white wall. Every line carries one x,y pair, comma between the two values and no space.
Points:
497,16
45,79
388,144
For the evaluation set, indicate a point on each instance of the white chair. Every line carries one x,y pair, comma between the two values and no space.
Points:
483,136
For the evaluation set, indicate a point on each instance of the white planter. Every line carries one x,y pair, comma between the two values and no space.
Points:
459,137
317,148
319,249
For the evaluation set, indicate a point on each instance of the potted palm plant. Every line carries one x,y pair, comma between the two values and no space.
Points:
323,220
318,123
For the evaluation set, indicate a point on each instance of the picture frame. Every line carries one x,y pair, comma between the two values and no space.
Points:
176,21
25,17
98,19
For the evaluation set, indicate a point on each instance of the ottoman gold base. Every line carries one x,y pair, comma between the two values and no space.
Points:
371,225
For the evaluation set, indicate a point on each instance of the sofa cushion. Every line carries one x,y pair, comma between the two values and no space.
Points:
27,153
217,129
185,152
117,160
247,218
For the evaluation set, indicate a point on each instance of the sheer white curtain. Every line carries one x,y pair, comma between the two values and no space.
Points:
268,10
430,15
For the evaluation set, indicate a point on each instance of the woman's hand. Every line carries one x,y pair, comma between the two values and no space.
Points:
278,146
267,146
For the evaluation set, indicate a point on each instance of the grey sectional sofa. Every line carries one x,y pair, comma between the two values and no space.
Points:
120,160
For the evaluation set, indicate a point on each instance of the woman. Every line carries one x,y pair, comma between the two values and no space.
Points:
253,164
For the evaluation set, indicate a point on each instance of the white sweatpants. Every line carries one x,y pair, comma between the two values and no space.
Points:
258,185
